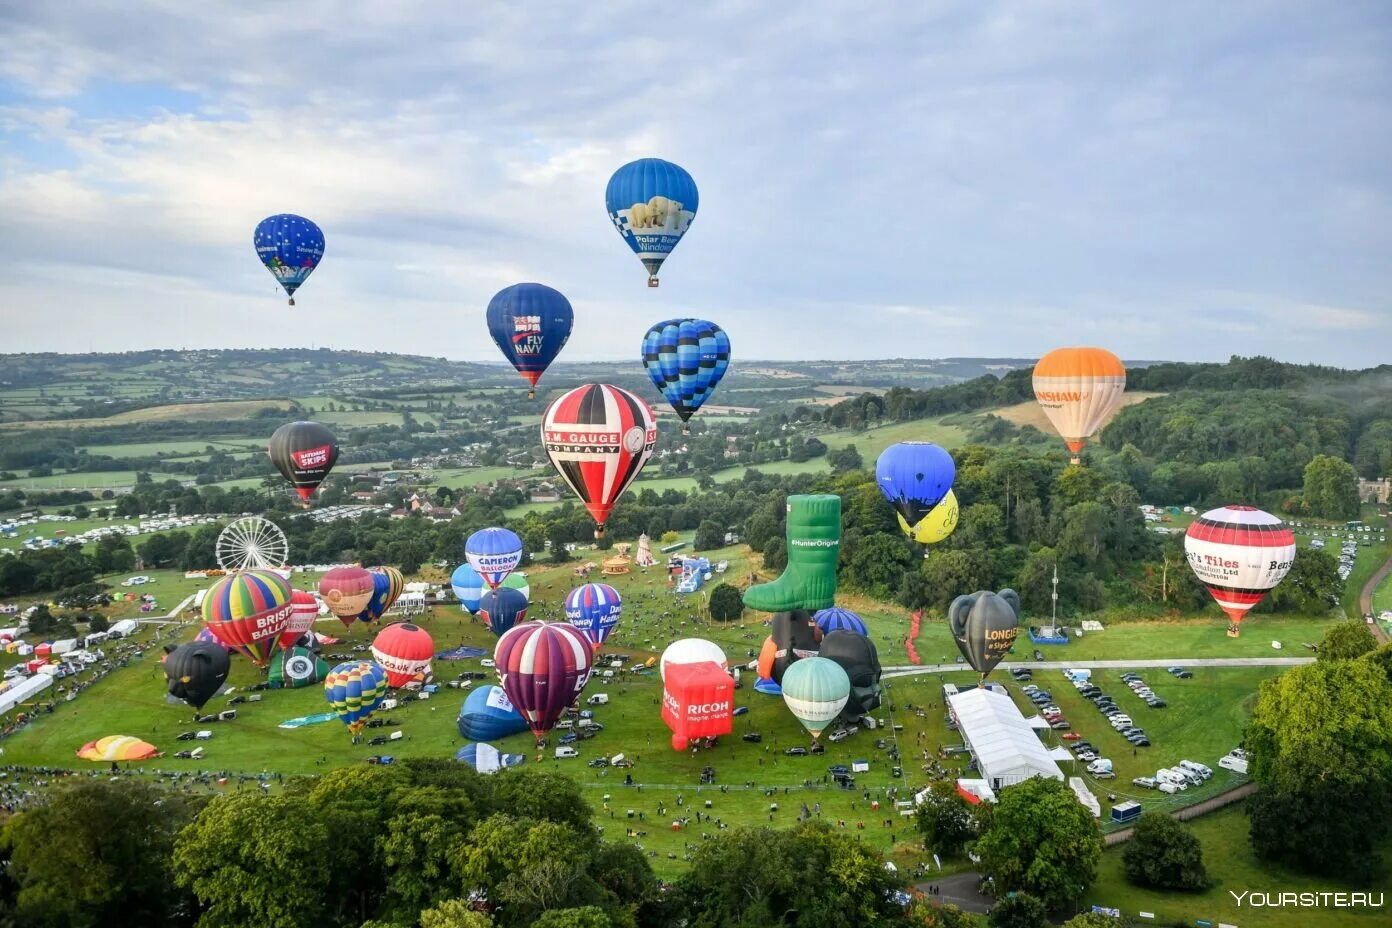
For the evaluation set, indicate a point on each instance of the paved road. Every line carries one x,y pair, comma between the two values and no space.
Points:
908,671
1365,599
959,889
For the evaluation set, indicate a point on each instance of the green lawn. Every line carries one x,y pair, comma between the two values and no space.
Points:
1231,863
457,477
872,441
111,479
183,449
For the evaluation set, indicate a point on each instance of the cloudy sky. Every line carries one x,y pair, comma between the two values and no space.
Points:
1182,180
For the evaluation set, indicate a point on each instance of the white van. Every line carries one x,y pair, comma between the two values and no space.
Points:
566,750
598,699
204,735
1199,769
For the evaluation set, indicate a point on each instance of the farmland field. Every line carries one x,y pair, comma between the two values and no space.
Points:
95,480
181,449
872,441
193,412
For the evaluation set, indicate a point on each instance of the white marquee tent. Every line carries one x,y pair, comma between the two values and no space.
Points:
1004,744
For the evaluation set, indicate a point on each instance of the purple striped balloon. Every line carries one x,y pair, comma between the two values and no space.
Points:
543,666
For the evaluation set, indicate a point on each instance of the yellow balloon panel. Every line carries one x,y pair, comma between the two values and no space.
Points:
936,525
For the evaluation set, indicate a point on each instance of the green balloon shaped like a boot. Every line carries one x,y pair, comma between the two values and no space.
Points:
814,543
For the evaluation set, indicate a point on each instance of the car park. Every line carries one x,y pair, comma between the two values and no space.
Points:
1110,711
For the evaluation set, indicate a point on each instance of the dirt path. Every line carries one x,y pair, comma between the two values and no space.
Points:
1365,599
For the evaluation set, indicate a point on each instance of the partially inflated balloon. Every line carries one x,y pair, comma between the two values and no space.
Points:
304,609
857,655
690,651
816,690
914,476
290,247
304,453
355,689
984,625
598,437
838,619
488,714
468,586
530,323
685,359
1079,389
404,651
936,525
651,202
196,671
543,667
502,608
1240,554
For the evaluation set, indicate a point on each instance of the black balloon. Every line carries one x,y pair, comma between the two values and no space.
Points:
985,625
304,453
196,671
857,656
795,636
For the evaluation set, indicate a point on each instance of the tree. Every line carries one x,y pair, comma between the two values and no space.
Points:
923,913
97,623
1321,746
709,536
1091,920
1163,854
845,460
946,820
1331,488
759,530
1346,641
1019,911
163,550
1312,586
726,604
533,541
589,916
775,554
877,564
113,554
1381,659
529,866
201,551
97,854
454,913
559,535
41,621
1042,841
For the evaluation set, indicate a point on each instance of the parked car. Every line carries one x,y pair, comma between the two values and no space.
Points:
1180,673
839,735
753,737
1060,725
796,752
740,710
599,762
1144,782
1071,736
1156,703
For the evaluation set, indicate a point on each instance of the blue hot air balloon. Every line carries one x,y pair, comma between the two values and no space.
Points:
530,324
685,359
767,687
488,714
494,553
651,202
485,758
838,619
291,247
595,609
468,586
502,608
914,476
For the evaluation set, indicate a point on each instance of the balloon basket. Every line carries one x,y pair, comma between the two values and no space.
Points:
292,301
1234,631
652,281
531,394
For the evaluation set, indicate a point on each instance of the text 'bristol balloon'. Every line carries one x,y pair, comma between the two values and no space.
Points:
1240,554
651,202
595,609
685,359
1080,390
530,324
598,437
304,453
984,625
543,667
494,553
290,247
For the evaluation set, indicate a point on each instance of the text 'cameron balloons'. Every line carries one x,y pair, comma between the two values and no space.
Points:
304,609
857,655
984,625
543,667
468,586
502,608
838,619
651,202
595,609
685,359
1239,553
698,701
691,651
530,324
404,651
487,714
914,476
196,671
494,553
355,689
816,690
291,247
304,453
1079,389
248,610
346,591
598,437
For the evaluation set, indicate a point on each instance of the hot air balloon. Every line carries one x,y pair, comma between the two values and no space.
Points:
404,651
914,476
793,637
518,581
1079,389
984,625
248,610
838,619
494,553
204,634
698,701
816,690
766,687
304,609
502,608
530,324
295,668
291,247
485,758
543,667
857,656
598,438
468,586
936,525
355,689
117,747
595,609
387,584
691,651
487,715
196,671
1239,553
685,359
651,202
346,591
304,453
398,583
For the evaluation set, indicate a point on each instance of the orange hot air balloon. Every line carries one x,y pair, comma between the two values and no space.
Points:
1079,389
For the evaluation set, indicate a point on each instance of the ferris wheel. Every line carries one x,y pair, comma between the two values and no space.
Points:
252,543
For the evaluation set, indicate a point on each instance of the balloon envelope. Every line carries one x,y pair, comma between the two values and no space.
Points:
1240,553
530,324
652,203
117,747
985,625
355,689
691,651
816,690
698,701
485,758
856,654
838,619
914,476
1080,390
304,609
404,651
543,667
299,666
936,525
685,359
468,586
487,714
346,591
304,453
518,581
502,608
494,553
196,671
598,437
248,610
595,609
290,247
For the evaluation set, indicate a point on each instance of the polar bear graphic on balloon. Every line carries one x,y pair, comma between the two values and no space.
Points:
659,214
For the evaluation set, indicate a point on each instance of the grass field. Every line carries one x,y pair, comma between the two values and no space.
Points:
182,449
193,412
457,477
1234,868
872,441
103,480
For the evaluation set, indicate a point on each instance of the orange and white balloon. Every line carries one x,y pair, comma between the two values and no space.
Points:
1080,390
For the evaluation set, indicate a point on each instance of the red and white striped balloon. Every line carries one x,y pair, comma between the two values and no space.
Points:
304,609
543,666
598,437
1240,553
